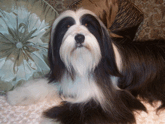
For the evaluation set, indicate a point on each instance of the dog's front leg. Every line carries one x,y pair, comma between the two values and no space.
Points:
32,92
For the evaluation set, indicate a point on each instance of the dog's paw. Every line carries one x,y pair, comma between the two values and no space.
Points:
48,121
20,96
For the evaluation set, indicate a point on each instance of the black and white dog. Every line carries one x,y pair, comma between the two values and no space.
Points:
97,77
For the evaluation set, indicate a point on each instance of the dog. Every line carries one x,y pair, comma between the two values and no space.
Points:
97,77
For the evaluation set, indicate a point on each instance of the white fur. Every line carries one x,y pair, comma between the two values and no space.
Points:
119,66
117,57
82,59
32,92
82,89
48,121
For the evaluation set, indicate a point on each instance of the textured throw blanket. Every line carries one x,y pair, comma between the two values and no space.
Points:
32,114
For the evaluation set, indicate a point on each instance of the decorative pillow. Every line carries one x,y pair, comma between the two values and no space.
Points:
24,37
121,17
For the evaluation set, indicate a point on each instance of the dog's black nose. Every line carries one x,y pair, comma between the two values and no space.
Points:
79,38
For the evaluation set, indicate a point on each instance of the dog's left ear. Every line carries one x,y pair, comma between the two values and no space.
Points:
108,55
56,65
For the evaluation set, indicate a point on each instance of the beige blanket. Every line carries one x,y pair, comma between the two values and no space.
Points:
31,114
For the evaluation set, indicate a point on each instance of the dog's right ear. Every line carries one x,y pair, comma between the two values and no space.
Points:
59,29
57,67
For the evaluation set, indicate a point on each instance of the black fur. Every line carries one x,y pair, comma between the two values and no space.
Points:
143,69
102,36
93,113
119,105
53,52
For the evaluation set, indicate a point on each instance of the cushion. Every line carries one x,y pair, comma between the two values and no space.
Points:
24,37
121,17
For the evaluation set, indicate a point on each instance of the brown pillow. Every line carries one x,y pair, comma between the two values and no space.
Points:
121,17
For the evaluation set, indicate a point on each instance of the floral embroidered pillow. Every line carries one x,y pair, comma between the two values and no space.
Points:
24,36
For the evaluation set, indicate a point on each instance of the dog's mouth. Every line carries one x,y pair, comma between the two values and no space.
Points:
79,45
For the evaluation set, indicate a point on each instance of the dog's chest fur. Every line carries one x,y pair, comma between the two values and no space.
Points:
81,89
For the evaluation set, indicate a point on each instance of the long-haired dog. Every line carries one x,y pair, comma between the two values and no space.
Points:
98,78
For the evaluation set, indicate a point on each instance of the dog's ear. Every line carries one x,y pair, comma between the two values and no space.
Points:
97,28
56,65
59,29
108,55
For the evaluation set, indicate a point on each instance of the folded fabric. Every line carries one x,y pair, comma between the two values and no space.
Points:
121,17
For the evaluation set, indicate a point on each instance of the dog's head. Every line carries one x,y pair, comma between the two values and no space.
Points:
79,44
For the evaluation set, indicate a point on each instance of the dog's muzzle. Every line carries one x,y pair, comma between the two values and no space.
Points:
79,40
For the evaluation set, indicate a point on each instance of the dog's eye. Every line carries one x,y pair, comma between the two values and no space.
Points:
68,26
86,24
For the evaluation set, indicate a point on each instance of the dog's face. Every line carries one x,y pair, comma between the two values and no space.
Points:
77,42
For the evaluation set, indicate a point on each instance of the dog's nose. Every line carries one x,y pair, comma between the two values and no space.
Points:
79,38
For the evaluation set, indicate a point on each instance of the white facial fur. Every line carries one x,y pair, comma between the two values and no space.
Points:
91,56
83,60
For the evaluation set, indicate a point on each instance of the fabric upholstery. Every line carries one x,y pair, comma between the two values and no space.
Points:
121,17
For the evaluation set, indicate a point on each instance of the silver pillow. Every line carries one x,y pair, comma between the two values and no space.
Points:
24,36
